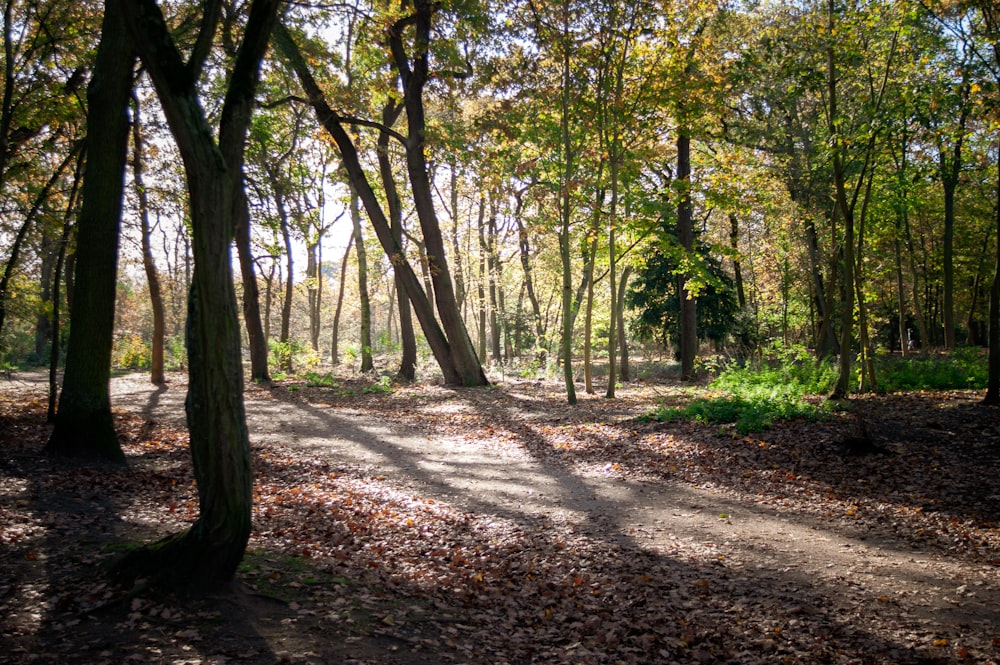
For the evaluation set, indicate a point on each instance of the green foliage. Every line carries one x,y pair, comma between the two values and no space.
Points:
174,353
381,387
756,398
315,380
793,371
283,355
131,352
964,368
655,293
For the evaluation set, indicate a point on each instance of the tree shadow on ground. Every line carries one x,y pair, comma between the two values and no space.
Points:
679,587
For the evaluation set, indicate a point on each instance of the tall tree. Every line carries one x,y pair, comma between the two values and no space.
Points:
333,123
206,555
411,57
83,424
156,374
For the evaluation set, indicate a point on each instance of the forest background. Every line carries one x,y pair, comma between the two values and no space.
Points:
814,174
802,195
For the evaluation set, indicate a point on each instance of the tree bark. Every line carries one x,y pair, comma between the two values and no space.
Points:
685,232
524,251
992,396
331,122
256,335
207,555
408,341
83,424
156,373
335,342
367,364
414,76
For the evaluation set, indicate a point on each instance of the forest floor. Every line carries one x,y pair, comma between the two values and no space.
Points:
500,525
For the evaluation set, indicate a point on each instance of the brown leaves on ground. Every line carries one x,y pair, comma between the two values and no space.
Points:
349,566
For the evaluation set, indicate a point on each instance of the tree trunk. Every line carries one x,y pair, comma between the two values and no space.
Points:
566,215
734,244
207,555
331,122
993,379
481,287
286,304
367,364
492,269
83,425
54,349
950,166
335,341
949,262
685,232
524,250
408,341
414,76
256,333
623,368
156,374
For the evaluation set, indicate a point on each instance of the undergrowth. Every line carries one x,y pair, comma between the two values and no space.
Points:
755,397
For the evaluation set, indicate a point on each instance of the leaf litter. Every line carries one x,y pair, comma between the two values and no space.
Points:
767,548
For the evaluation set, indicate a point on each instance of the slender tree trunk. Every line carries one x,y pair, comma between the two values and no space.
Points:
54,350
414,76
367,363
685,231
331,122
408,341
949,262
566,215
314,278
492,271
481,292
460,287
335,341
524,250
734,244
83,425
993,379
623,368
286,304
257,331
156,374
588,333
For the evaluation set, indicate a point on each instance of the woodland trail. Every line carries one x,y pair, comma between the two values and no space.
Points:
772,546
810,566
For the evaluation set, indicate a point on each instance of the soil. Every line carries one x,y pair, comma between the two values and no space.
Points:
541,532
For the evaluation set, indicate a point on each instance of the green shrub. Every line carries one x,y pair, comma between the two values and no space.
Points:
131,352
315,380
381,387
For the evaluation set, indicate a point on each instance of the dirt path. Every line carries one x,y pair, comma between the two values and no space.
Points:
840,570
850,569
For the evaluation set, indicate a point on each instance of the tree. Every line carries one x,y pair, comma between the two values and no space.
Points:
148,262
83,424
412,62
206,555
